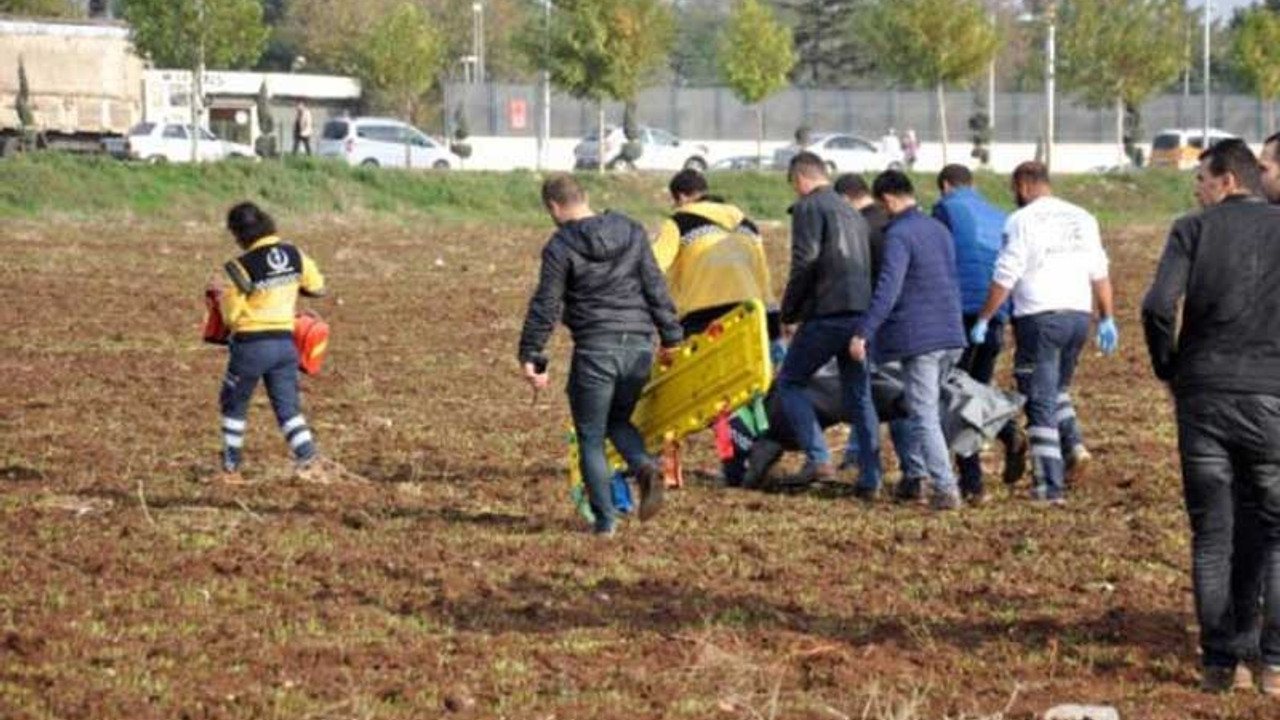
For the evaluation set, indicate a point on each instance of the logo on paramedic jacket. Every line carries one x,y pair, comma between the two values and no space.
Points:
278,261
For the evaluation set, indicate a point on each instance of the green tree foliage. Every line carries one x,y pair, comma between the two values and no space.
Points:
41,8
755,53
1116,53
933,43
170,32
830,48
693,56
401,56
603,49
1255,53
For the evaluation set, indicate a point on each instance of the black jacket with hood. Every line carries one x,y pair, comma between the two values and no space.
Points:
600,273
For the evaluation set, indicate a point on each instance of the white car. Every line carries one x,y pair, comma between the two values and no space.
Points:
661,151
382,142
158,142
844,153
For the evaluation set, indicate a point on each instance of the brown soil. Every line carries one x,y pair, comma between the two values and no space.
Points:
458,580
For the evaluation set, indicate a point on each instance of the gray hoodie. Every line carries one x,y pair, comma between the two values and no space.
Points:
599,276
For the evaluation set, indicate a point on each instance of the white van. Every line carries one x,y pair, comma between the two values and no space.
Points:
382,142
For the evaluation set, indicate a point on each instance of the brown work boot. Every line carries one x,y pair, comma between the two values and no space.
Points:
1218,679
652,487
1269,680
813,472
1077,463
910,490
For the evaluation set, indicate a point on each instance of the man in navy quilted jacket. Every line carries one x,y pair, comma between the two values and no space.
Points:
914,317
977,227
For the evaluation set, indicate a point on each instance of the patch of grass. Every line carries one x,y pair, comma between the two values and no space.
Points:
45,185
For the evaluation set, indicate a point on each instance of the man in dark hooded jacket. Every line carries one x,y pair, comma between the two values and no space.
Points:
600,277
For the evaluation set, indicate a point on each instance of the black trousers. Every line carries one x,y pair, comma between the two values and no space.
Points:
1230,451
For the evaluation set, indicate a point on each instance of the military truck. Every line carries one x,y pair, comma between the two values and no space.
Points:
84,82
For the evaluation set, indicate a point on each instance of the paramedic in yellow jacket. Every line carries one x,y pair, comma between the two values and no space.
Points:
258,304
711,253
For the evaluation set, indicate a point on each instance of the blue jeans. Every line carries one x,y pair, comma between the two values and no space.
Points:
1049,346
922,377
274,360
606,377
817,341
912,466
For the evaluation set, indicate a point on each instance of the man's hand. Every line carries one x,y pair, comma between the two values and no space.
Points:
978,333
667,355
538,380
1108,335
858,349
789,331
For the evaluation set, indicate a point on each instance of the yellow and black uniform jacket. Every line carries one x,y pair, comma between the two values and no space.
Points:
712,256
262,290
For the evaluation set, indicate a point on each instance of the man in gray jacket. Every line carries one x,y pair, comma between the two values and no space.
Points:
828,290
1223,366
599,271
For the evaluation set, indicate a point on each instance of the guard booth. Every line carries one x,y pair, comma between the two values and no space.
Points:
231,101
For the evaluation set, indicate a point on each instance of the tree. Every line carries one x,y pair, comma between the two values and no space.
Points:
171,33
1255,52
934,43
693,56
829,44
1118,52
401,56
41,8
755,55
603,49
266,146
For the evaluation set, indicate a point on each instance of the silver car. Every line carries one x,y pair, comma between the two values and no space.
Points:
382,142
844,153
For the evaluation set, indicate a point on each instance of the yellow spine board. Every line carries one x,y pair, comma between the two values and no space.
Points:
715,372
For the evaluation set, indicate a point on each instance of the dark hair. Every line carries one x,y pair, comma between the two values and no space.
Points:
1234,156
562,190
893,182
1273,140
1032,171
955,175
249,223
852,186
807,164
688,182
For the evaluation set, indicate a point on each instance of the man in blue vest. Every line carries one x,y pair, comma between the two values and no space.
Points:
977,227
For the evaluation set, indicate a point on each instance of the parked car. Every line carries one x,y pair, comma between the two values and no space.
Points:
844,153
159,142
1181,149
661,150
382,142
741,162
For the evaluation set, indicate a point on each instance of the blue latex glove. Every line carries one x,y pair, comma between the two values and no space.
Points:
1108,335
978,333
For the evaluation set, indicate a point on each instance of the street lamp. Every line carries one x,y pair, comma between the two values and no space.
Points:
477,38
544,131
1208,39
1050,73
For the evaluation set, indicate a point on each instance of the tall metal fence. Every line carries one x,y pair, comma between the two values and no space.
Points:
715,114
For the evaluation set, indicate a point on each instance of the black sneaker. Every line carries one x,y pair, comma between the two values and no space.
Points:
1015,457
649,479
764,455
866,493
813,472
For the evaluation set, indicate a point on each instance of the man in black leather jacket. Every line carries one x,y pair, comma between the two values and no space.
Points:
828,289
1223,366
599,271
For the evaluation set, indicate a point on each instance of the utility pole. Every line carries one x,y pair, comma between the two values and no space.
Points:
544,130
477,43
197,84
1208,40
1051,52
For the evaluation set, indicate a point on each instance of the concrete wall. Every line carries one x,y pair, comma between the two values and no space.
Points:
510,153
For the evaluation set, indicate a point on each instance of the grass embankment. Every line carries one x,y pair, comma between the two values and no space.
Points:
72,188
